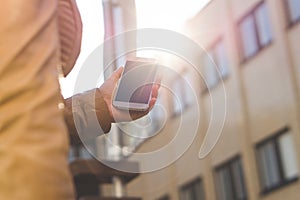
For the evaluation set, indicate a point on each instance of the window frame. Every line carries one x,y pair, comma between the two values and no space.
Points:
228,164
182,99
164,197
290,22
179,99
275,139
212,50
192,183
252,13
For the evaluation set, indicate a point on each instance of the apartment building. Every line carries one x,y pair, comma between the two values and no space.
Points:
254,48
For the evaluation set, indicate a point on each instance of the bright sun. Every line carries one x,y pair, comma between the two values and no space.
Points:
167,14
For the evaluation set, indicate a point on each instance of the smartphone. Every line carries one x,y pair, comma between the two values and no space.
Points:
135,86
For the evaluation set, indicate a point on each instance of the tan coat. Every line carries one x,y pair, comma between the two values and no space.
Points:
33,136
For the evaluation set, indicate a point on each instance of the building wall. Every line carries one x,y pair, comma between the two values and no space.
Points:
262,97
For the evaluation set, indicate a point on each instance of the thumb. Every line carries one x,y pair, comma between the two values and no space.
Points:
117,74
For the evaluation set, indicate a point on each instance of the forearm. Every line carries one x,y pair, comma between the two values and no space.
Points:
87,116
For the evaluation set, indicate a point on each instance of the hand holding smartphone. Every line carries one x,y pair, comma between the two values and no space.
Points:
135,86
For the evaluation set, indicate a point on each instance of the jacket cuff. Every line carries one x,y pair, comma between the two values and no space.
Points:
91,114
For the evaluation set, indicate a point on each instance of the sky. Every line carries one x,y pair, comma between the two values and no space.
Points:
167,14
92,36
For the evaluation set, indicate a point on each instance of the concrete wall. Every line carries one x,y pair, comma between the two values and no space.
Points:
262,97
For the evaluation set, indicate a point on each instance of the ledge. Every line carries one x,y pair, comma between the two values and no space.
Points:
85,168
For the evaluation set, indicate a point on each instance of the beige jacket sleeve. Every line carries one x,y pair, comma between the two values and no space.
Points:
87,116
33,135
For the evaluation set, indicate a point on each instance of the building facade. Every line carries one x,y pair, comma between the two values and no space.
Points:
255,47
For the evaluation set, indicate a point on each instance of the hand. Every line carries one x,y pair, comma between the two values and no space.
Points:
106,91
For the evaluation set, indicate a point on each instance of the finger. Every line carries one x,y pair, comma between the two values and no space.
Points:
155,91
152,103
117,74
158,80
158,86
138,114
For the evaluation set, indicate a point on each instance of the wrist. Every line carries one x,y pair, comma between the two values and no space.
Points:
103,102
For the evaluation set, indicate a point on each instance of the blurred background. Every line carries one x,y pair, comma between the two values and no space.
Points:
255,52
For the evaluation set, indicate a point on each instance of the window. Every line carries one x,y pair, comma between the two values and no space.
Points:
255,30
294,10
220,58
165,197
210,73
215,65
82,152
182,93
178,96
230,181
277,161
192,191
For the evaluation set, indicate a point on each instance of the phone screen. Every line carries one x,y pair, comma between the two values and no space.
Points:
136,82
